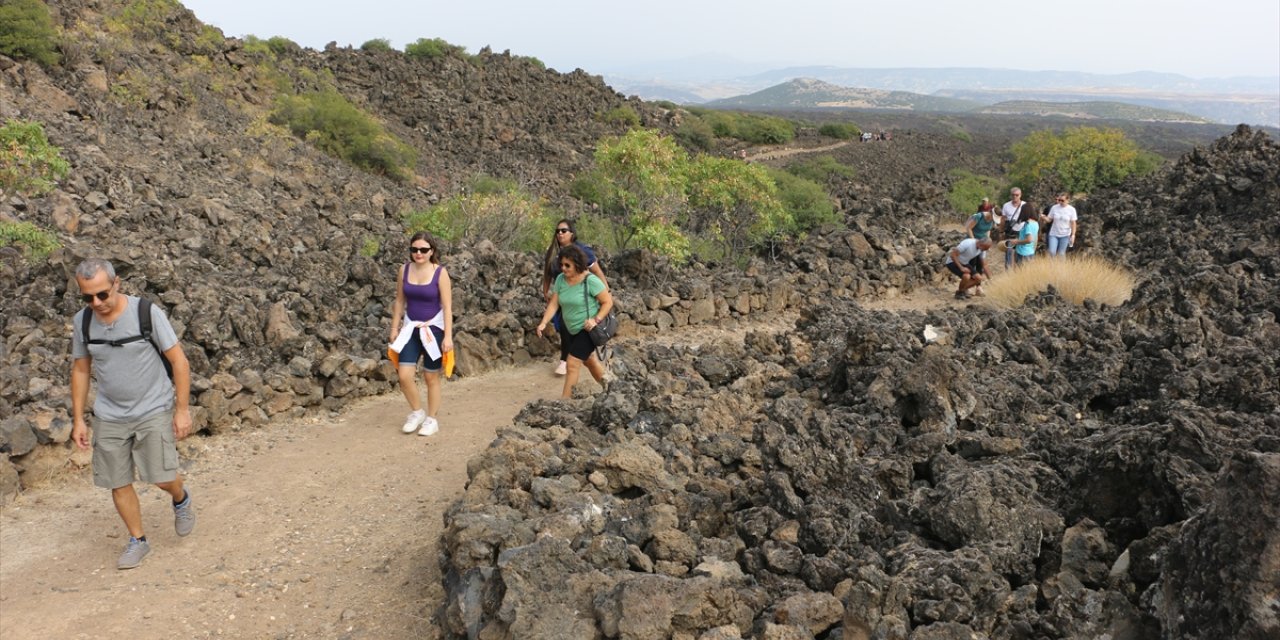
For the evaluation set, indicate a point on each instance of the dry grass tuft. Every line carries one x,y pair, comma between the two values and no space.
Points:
1076,279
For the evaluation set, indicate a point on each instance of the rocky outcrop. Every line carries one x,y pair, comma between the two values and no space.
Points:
1049,472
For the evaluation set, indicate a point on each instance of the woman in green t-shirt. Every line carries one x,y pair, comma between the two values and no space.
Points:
583,300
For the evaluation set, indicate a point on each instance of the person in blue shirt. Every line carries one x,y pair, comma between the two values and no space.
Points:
1024,247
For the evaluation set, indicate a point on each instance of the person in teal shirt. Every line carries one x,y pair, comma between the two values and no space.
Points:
1025,246
583,301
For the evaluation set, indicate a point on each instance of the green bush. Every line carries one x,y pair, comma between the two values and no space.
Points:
327,120
487,184
694,132
968,189
842,130
36,243
638,180
433,48
536,62
807,203
1080,159
256,46
369,248
821,169
26,31
511,220
753,128
622,115
281,44
28,163
377,44
734,203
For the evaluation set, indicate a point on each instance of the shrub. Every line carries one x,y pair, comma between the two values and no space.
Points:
1081,159
327,120
26,31
622,115
281,44
28,163
377,44
752,128
664,240
256,46
968,189
536,62
511,220
638,181
821,169
487,184
841,130
695,132
370,247
807,203
149,18
1076,279
36,243
432,48
734,203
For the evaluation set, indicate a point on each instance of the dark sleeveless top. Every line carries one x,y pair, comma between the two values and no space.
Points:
422,301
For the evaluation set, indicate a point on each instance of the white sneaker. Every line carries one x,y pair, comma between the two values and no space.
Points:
414,421
561,368
429,427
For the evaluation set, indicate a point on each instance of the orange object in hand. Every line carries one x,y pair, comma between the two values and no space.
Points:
448,364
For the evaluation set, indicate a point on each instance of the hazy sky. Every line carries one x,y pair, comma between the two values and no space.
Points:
1192,37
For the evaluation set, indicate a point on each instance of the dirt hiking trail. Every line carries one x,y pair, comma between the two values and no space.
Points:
319,528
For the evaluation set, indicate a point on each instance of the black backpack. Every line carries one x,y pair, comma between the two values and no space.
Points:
144,325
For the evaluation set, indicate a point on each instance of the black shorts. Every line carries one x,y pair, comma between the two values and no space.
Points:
580,345
975,265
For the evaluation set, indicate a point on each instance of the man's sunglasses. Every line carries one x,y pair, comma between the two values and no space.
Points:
101,296
419,249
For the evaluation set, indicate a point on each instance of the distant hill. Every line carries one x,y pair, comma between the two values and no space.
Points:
808,93
1100,110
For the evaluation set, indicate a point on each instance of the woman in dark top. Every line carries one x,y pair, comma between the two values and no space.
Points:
582,300
565,235
422,324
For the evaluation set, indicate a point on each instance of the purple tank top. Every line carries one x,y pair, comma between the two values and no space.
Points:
422,301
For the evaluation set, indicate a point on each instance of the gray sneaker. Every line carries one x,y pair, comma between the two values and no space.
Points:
133,554
184,516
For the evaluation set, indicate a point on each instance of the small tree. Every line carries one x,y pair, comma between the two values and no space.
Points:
26,31
432,48
968,190
735,203
638,181
28,163
377,44
1080,159
36,243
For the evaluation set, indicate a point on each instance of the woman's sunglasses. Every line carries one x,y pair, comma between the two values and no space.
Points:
101,296
419,249
564,231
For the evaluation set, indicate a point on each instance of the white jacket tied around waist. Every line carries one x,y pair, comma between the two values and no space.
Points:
428,339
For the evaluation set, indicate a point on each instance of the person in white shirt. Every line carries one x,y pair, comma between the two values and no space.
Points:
1062,229
1011,215
967,260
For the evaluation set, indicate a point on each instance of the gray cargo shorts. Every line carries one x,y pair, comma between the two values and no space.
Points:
146,445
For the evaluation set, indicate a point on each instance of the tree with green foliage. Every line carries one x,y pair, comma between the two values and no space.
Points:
329,121
377,44
36,243
807,203
639,182
510,218
433,48
27,32
735,203
1080,160
28,163
968,189
840,130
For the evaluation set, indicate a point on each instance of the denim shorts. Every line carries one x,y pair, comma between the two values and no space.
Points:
414,351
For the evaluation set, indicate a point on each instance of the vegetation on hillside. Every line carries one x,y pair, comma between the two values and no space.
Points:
36,243
491,209
28,163
433,48
653,195
968,189
840,130
329,121
821,169
377,44
27,32
1076,279
1081,159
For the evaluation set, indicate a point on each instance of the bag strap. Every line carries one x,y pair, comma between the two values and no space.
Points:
144,333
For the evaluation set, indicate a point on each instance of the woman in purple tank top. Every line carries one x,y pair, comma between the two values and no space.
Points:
422,328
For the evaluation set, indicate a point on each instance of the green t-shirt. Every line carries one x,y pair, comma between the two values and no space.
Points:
574,311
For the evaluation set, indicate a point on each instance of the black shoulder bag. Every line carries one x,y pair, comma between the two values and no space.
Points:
604,330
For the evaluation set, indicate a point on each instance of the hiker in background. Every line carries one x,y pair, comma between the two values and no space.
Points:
1024,246
979,225
1011,215
968,260
1062,227
139,411
566,235
422,329
582,300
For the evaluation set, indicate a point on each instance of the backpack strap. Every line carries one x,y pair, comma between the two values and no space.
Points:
144,333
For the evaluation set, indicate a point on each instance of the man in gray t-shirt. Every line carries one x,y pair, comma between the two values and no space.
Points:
138,413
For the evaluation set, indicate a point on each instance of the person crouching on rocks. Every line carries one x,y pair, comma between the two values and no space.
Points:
967,260
565,235
422,329
582,300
